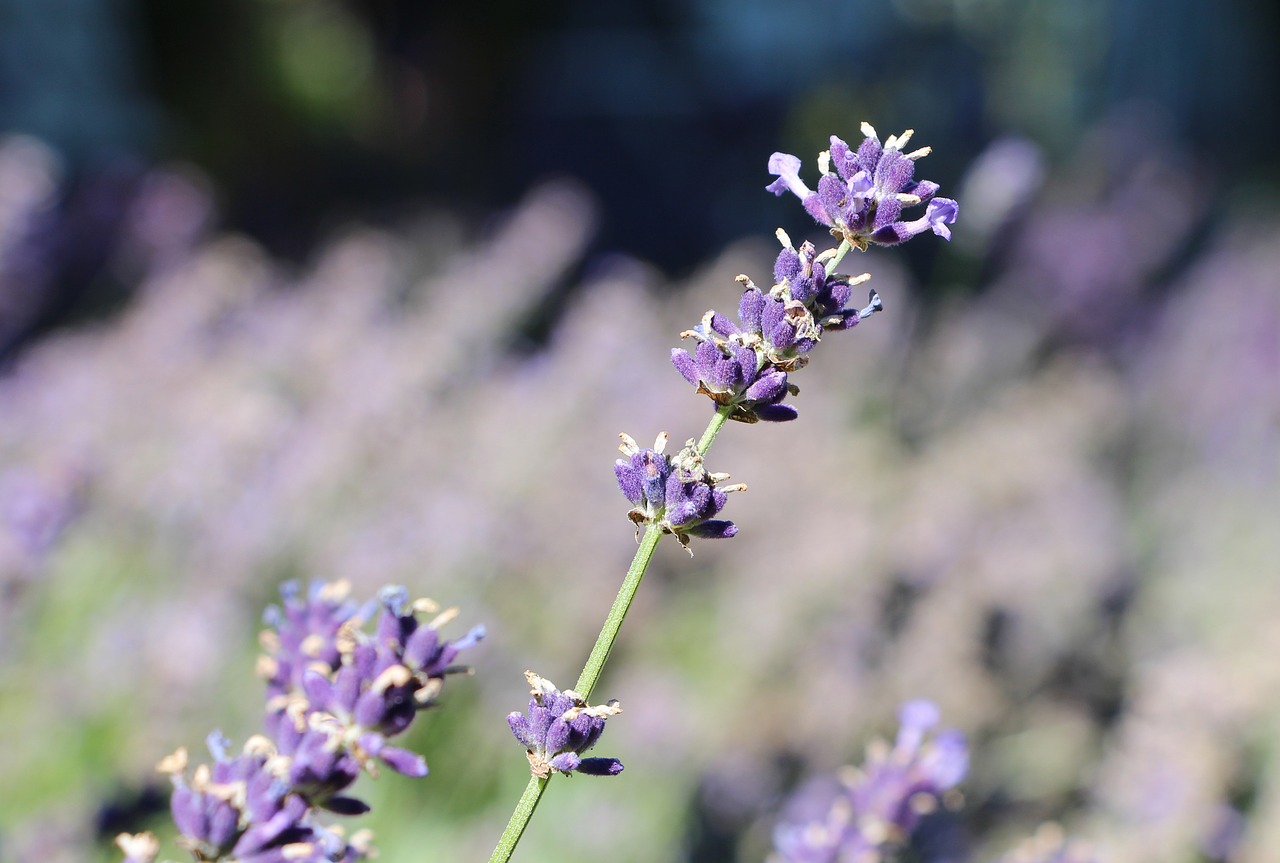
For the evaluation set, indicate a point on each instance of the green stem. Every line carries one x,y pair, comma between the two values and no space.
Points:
599,653
713,429
519,819
830,266
613,623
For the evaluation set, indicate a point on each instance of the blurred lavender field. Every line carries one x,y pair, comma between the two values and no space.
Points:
1050,504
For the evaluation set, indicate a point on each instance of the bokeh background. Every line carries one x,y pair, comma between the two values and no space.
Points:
316,289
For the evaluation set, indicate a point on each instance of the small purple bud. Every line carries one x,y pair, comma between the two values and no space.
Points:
559,728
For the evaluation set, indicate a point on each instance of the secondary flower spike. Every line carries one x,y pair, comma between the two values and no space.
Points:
862,193
674,492
559,727
883,802
337,694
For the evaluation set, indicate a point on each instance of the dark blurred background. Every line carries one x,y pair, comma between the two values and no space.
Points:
306,113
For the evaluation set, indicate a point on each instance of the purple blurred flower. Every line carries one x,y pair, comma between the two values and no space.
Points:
674,492
36,508
861,201
303,633
559,728
337,694
882,803
242,808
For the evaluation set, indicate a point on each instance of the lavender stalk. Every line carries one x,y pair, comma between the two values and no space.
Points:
743,368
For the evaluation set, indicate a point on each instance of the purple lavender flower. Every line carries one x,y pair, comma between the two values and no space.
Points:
242,808
303,633
801,275
881,804
861,201
674,492
336,694
745,365
559,727
339,694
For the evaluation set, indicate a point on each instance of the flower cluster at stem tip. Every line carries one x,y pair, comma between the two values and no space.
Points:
861,201
744,367
335,695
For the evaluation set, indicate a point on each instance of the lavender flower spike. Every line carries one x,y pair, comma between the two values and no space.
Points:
861,193
673,492
559,727
883,802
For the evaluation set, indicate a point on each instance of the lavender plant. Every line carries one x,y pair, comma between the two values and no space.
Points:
743,368
336,694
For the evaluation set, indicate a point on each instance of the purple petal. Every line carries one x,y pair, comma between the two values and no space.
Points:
768,388
940,213
722,325
833,196
787,266
893,173
714,529
600,766
887,212
223,824
403,761
843,159
629,481
750,308
948,763
566,762
787,168
187,808
557,737
776,413
924,190
319,690
421,647
340,805
848,319
520,728
918,715
685,366
370,709
869,152
814,207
